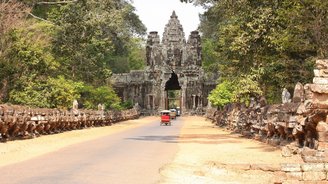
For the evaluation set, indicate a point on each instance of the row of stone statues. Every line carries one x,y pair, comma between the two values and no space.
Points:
277,124
300,121
24,122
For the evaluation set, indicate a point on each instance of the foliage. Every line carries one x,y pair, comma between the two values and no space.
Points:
247,86
210,59
12,14
28,58
62,51
127,104
137,54
240,90
51,92
281,37
91,97
222,94
91,33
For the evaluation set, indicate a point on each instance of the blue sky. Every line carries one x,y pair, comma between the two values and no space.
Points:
155,14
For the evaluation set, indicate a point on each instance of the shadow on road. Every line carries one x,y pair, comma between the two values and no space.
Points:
166,139
188,138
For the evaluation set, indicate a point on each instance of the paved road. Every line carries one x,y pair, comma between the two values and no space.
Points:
133,156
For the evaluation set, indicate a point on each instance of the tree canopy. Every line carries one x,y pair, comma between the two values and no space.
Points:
280,39
53,52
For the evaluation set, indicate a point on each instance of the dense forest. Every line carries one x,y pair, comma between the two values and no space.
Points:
52,52
262,46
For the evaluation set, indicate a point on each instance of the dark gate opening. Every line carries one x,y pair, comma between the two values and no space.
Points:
172,83
173,93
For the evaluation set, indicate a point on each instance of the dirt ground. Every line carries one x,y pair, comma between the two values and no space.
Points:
208,154
20,150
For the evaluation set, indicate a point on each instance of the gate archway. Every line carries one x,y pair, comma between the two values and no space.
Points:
173,92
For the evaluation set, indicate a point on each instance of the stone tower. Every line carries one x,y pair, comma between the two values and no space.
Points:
172,64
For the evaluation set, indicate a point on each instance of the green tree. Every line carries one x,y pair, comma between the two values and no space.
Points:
133,59
60,51
50,93
247,86
93,32
222,94
137,54
210,58
12,15
91,97
280,37
29,58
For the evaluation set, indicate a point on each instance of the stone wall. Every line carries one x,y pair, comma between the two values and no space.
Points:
288,172
18,122
298,125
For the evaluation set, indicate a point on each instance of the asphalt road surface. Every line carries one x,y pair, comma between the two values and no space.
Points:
133,156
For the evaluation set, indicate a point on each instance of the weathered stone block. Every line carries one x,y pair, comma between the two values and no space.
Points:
302,109
314,176
320,153
320,73
320,80
288,108
316,73
326,167
293,181
313,159
286,152
322,127
241,166
279,177
316,103
291,125
308,152
323,145
308,92
317,182
313,167
321,64
322,136
274,142
325,155
294,167
294,175
266,167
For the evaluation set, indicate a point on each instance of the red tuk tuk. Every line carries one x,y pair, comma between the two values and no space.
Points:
165,117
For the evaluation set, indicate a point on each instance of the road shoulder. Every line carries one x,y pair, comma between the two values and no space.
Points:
208,154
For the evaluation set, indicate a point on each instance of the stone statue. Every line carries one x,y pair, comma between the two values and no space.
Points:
75,105
299,94
285,96
101,107
252,102
209,105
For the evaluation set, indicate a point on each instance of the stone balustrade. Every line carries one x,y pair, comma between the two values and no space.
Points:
24,122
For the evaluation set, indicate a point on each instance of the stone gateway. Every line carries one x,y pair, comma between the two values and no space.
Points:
173,77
